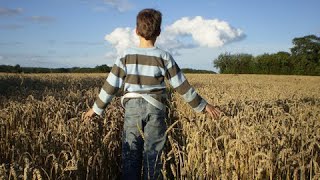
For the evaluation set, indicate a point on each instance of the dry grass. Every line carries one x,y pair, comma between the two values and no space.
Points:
270,129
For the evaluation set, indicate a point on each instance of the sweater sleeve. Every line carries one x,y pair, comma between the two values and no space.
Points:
179,82
110,87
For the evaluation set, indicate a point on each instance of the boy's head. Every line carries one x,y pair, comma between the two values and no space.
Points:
149,23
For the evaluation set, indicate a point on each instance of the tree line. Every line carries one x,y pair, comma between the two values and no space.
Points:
303,59
196,71
98,69
18,69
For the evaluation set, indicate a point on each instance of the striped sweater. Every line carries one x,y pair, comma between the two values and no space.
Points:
143,70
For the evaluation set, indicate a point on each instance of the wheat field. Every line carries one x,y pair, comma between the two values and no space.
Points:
270,129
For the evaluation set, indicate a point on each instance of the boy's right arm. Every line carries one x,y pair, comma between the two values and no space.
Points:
179,82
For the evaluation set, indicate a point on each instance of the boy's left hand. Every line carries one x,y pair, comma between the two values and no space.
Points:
213,111
89,114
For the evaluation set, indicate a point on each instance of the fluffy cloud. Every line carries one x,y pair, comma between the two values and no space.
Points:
205,33
182,34
122,38
10,12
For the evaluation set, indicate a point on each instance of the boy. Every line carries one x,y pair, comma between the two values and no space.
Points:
142,70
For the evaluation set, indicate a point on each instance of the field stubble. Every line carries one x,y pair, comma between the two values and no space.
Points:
270,129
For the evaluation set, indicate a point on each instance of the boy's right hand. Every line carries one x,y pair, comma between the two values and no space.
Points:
213,111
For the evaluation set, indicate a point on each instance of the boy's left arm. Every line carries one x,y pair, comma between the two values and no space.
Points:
110,87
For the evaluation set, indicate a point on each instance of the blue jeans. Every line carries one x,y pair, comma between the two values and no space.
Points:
143,140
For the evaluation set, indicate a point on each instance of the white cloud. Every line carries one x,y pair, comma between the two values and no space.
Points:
1,57
122,38
184,33
40,19
120,5
206,33
10,12
10,26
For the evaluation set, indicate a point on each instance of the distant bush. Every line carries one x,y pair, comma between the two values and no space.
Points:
197,71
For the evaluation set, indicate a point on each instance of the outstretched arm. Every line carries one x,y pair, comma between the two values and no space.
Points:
179,82
110,87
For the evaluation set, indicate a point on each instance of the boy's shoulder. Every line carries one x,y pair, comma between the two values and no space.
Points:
155,52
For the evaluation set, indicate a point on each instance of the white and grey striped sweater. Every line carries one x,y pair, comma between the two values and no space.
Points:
143,70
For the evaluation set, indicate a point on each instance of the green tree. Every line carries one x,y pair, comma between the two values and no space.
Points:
306,55
284,62
17,69
245,63
103,68
263,64
307,45
235,63
223,63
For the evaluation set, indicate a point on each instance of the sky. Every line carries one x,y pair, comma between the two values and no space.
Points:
86,33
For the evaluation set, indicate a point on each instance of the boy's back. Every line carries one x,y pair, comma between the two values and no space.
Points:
143,70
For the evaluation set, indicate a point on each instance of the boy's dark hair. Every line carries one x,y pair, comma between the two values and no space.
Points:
149,23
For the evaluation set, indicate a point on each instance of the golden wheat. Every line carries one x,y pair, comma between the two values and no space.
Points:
270,129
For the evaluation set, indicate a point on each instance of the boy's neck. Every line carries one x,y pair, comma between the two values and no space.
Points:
146,43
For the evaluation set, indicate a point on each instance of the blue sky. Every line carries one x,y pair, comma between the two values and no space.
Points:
86,33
